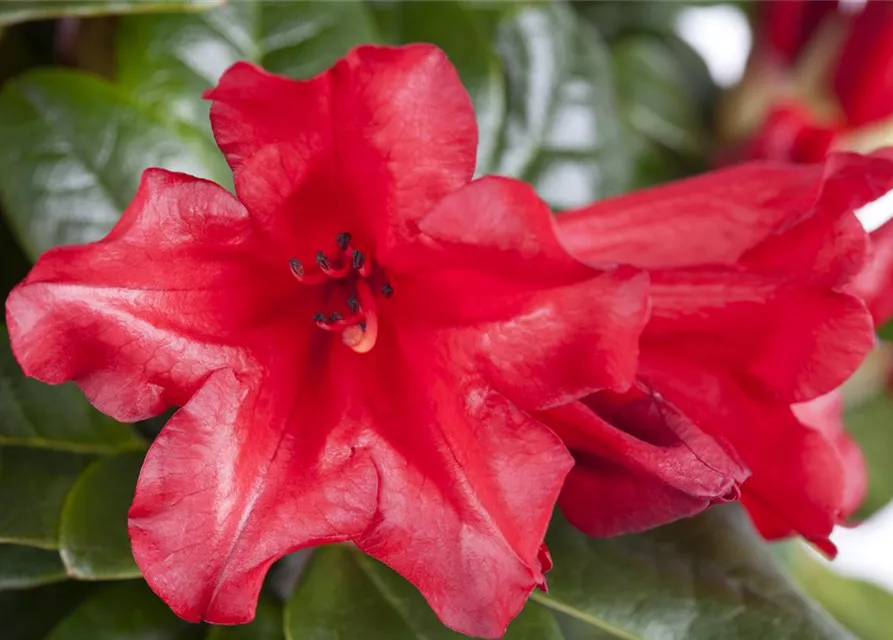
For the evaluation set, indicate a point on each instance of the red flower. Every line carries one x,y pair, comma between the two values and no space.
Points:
356,340
749,316
875,283
836,71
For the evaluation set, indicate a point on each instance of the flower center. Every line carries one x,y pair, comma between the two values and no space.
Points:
354,271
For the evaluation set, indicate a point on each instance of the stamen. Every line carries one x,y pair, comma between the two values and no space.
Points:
359,258
318,317
353,304
387,290
361,338
343,241
335,317
326,267
322,261
297,270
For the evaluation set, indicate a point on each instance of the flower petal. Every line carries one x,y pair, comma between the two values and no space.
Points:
244,473
712,218
875,283
797,483
640,463
467,488
797,342
376,140
141,317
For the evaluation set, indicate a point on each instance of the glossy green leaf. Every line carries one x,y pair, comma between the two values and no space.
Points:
651,90
53,417
33,486
129,611
72,148
871,424
561,132
93,540
29,614
169,60
22,10
267,624
344,594
25,567
704,578
864,608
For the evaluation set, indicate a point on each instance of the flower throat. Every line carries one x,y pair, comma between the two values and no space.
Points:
357,321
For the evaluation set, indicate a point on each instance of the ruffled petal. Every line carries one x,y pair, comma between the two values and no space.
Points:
544,328
251,468
141,317
792,221
369,145
640,463
468,485
713,218
797,342
825,415
797,481
875,283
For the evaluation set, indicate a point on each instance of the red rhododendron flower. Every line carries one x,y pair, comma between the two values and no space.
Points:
838,65
875,283
748,268
357,340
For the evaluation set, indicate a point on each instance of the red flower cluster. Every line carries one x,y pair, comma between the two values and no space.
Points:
369,346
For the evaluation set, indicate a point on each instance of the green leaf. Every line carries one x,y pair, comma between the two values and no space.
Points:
344,594
72,148
704,578
29,614
33,486
562,133
169,60
93,540
651,86
267,624
26,567
864,608
129,611
20,11
57,417
871,424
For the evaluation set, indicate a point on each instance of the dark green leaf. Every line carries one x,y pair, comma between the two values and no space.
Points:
616,18
72,148
344,594
709,577
21,10
561,132
58,417
886,331
871,424
169,60
651,88
30,614
129,611
33,486
865,609
25,567
93,538
267,624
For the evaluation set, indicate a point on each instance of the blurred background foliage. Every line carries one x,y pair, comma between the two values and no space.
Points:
583,99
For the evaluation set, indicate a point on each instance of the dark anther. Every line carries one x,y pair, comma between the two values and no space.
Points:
343,239
353,304
387,290
296,267
335,317
358,259
363,325
318,317
322,260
